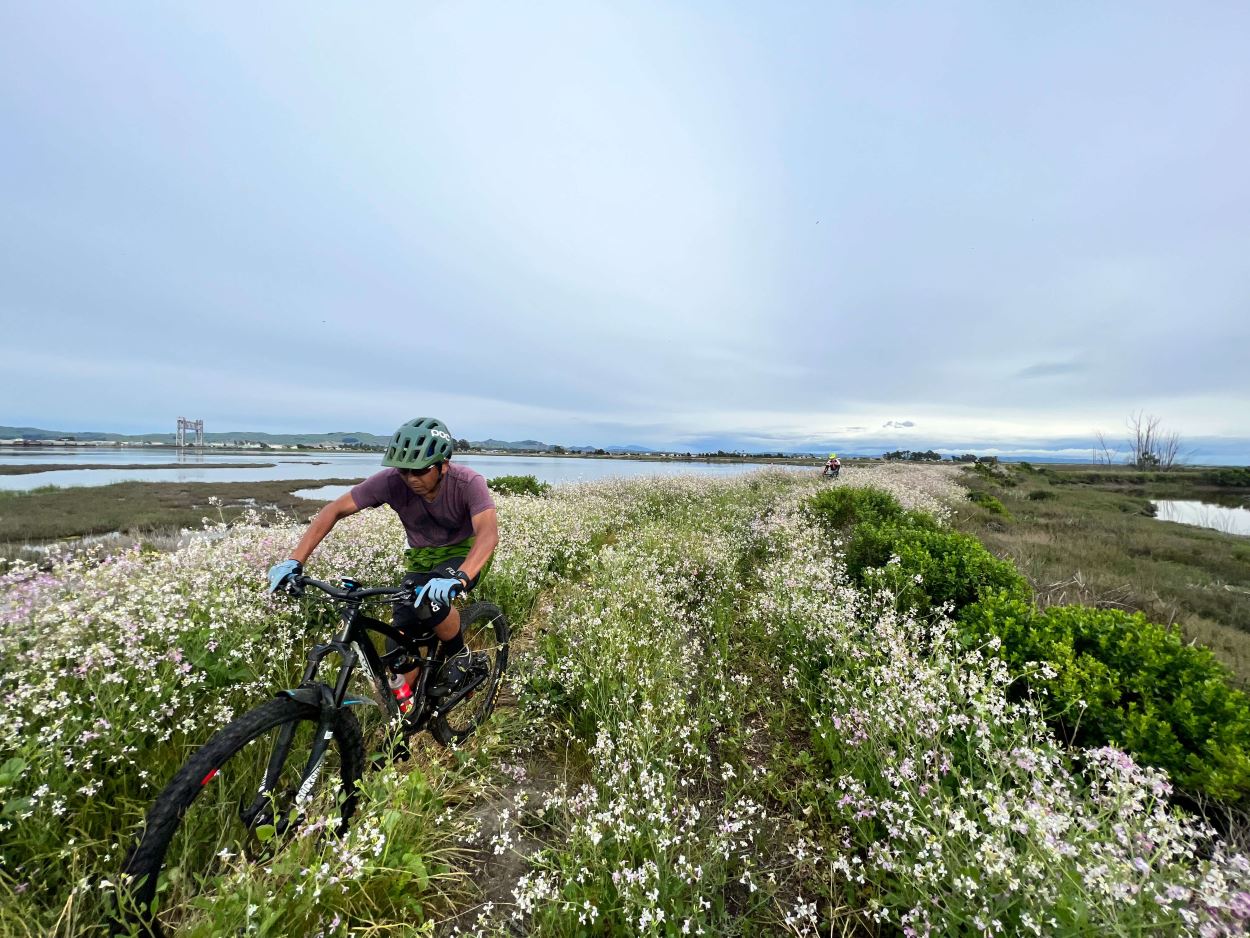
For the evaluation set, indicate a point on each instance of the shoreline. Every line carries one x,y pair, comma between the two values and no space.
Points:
275,451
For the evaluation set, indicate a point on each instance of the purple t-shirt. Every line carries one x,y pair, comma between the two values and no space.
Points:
446,520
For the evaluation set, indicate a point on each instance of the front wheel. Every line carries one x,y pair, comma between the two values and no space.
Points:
237,799
486,635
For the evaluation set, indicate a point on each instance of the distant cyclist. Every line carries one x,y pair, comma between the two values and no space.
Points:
833,465
449,516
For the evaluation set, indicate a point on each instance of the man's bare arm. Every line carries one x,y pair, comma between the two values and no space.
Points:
320,526
485,540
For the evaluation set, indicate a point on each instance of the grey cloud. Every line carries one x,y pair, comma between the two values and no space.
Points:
1050,369
598,271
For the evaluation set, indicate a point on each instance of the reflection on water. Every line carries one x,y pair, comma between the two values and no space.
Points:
275,466
1217,517
323,493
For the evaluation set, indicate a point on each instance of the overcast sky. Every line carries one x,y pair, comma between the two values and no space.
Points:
778,225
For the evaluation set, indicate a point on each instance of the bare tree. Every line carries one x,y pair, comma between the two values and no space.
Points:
1169,449
1103,454
1150,446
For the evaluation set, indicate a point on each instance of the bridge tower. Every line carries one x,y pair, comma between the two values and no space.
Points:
195,426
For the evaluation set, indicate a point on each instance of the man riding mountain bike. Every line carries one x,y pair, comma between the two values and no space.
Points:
449,516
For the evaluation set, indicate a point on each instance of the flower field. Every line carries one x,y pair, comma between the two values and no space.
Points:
709,730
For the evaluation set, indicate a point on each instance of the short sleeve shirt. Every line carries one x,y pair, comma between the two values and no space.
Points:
446,520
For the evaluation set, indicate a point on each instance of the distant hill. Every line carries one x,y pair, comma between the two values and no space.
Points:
525,446
346,438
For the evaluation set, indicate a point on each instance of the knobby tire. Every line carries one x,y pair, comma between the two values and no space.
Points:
486,620
147,858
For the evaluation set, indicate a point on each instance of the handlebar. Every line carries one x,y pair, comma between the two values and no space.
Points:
351,592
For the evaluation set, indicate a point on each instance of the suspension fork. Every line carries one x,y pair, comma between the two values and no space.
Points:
316,758
327,702
322,697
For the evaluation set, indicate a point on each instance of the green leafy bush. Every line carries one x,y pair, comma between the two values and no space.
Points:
1105,676
934,566
988,502
1231,477
840,508
518,485
1041,495
1120,679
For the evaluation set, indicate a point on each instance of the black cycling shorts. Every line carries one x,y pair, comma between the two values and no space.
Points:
418,624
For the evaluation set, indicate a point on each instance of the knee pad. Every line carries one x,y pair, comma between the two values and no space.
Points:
418,623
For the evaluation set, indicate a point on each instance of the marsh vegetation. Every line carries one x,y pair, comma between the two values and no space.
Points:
1089,535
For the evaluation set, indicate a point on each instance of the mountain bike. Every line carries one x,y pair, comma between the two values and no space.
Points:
292,764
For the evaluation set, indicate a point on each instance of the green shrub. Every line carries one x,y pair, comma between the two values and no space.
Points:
840,508
1122,680
952,567
993,472
1041,495
1232,477
518,485
988,502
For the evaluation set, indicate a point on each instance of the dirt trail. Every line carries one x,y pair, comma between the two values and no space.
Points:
508,820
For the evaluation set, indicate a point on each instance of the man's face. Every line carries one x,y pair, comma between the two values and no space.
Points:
423,481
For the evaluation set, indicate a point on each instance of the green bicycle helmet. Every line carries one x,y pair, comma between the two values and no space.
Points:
419,443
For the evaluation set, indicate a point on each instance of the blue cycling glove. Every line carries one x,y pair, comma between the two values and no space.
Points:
441,590
279,573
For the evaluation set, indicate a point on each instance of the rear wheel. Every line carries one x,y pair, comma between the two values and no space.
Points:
238,799
486,634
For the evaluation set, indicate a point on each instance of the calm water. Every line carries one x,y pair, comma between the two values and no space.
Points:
1219,517
308,465
191,468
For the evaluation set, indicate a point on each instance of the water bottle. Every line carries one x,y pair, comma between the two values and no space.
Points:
402,692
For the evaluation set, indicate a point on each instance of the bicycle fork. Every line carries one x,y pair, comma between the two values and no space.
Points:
260,812
327,701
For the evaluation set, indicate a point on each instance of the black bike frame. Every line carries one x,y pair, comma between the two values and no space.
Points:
354,646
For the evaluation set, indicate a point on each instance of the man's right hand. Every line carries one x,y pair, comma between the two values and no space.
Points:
280,573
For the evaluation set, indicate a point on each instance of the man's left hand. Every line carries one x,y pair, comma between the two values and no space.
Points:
443,589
